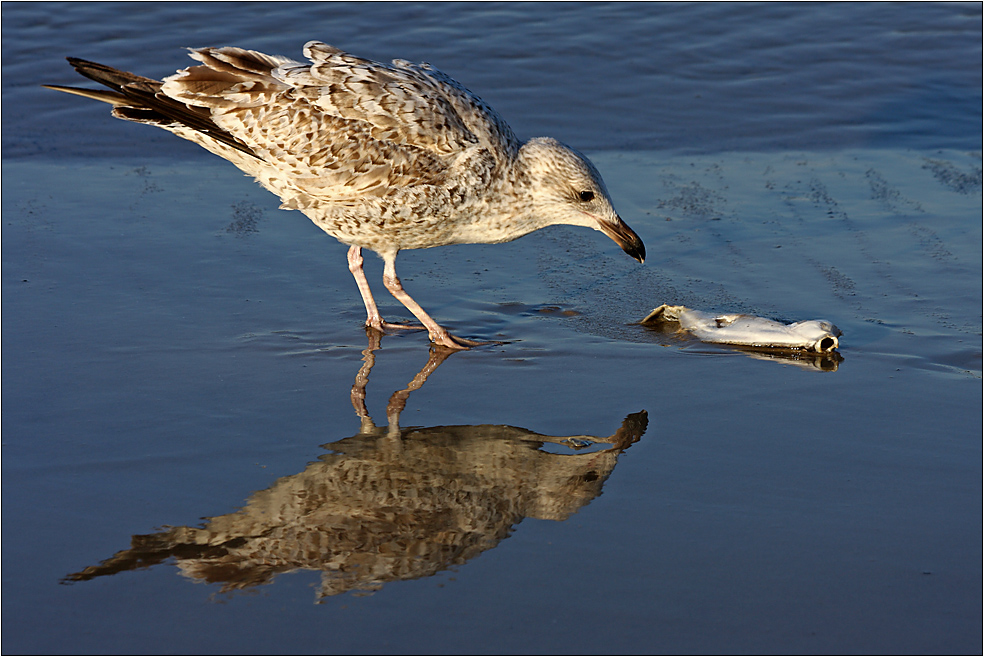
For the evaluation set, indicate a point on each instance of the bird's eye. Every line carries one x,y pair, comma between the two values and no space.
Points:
586,195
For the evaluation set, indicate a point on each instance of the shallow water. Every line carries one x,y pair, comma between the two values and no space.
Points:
185,466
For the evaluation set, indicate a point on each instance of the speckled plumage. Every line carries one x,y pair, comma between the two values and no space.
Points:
380,156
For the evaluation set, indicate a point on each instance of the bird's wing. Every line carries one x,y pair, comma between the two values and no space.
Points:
341,127
428,108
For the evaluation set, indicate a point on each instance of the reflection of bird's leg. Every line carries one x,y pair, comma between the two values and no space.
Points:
398,400
362,379
373,318
438,334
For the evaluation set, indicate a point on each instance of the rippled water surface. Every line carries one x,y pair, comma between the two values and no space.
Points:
200,442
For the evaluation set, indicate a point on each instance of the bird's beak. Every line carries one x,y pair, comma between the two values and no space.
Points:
625,237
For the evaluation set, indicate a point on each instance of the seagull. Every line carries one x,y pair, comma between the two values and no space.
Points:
382,157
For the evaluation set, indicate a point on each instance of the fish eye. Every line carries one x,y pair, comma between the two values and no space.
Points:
586,195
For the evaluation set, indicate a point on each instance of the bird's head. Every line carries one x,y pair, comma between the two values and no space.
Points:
565,188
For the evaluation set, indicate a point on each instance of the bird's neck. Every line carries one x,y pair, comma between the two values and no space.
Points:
506,211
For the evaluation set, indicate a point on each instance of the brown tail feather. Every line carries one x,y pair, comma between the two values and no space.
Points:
139,99
110,97
111,77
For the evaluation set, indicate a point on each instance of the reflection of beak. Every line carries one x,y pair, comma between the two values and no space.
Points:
625,237
631,430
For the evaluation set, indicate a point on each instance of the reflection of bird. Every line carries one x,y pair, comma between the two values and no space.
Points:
380,156
382,507
389,503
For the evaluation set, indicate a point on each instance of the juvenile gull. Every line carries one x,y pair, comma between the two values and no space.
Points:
379,156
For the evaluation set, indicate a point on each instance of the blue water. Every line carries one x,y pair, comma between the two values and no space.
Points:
200,442
697,78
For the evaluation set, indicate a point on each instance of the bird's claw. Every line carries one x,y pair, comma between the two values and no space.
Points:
449,341
384,326
440,339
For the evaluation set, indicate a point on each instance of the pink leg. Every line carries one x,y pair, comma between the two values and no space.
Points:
373,318
438,334
355,266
